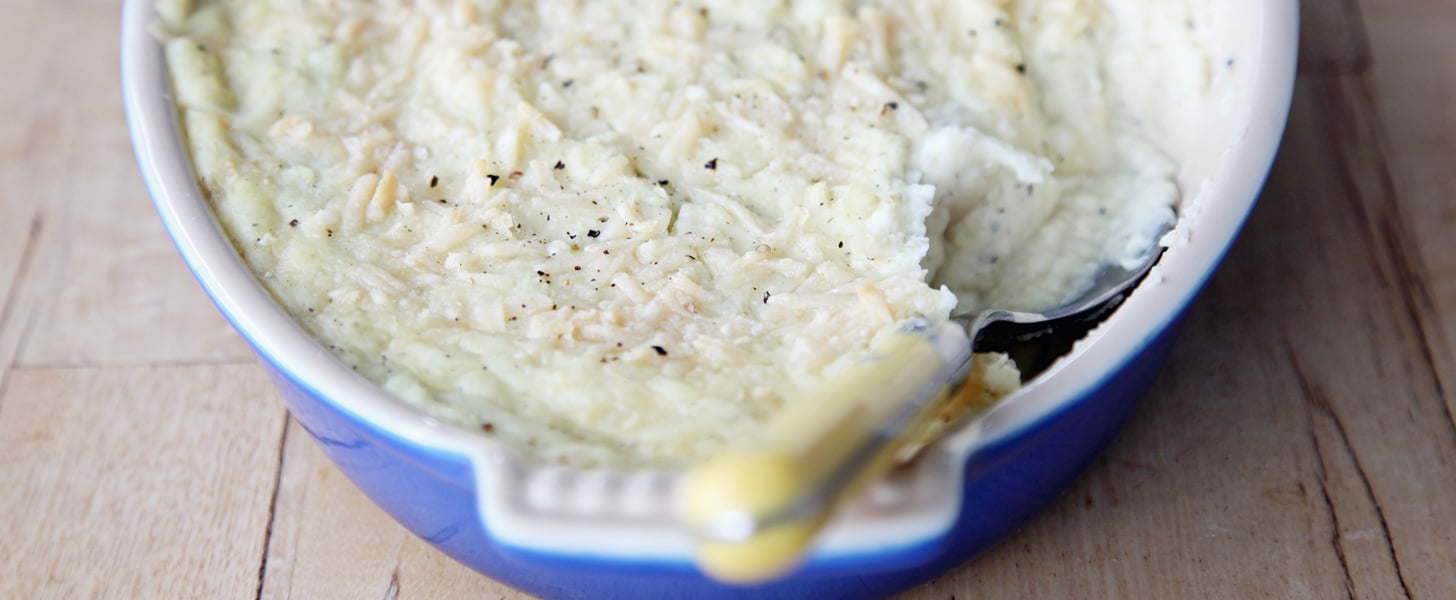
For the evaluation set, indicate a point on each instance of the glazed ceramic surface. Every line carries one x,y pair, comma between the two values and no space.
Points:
576,534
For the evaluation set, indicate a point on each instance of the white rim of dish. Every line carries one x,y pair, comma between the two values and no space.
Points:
622,515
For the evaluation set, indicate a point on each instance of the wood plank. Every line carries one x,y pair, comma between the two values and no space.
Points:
330,541
119,293
144,482
1412,89
1356,326
19,129
29,166
1332,38
105,286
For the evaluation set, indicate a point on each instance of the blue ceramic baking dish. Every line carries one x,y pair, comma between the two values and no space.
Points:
565,533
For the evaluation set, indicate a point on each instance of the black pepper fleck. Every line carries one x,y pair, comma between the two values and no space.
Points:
434,181
493,179
711,165
591,233
559,165
660,350
293,223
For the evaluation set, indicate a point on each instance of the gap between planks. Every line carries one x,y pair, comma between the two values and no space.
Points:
273,505
1317,404
13,336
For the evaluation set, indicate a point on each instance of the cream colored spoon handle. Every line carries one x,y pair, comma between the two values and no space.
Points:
756,510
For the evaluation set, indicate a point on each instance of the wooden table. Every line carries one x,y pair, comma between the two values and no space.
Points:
1299,444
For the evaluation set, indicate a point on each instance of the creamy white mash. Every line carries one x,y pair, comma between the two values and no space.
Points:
627,232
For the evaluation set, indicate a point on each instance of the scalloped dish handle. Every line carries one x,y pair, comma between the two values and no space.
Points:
629,516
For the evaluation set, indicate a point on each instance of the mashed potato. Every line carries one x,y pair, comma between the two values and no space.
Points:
627,232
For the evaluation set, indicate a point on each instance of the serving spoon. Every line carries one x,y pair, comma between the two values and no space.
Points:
755,510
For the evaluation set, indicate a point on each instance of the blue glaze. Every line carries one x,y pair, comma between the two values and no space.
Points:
433,495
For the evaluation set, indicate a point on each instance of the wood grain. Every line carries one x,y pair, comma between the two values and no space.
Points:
330,541
139,482
1333,39
1412,91
30,159
99,275
1359,352
1300,443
